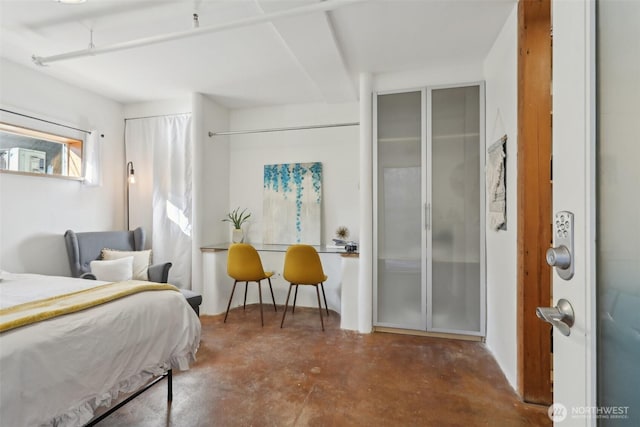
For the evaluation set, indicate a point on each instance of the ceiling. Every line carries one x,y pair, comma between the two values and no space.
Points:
306,58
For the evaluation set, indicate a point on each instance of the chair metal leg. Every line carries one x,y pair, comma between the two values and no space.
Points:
295,297
319,307
325,298
246,285
230,298
286,304
260,295
272,297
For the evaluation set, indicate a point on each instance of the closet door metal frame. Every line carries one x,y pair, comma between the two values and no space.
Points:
427,120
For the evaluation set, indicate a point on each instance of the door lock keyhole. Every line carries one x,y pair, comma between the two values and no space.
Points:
561,256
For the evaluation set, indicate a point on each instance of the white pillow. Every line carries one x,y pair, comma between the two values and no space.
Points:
115,270
141,261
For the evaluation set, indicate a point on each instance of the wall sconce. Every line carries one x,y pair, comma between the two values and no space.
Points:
131,173
131,179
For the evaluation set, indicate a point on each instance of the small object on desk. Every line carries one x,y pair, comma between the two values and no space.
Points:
351,247
335,246
342,233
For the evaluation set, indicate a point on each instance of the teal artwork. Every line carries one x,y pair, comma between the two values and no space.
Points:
292,203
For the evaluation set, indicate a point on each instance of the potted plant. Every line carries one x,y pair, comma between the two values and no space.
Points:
237,218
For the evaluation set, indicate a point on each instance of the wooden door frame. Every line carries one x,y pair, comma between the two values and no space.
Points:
534,199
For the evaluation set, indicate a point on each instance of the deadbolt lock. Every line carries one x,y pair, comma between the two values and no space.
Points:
561,256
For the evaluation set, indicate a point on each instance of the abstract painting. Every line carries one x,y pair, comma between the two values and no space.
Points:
292,203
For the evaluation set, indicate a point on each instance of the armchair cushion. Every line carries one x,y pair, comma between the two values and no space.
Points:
115,270
141,261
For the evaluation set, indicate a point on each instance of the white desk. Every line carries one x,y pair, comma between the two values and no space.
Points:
341,288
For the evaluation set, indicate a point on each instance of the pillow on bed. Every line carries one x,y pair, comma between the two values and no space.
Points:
115,270
141,261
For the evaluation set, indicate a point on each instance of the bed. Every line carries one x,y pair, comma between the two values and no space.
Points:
59,371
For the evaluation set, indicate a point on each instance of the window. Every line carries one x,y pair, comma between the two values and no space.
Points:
24,150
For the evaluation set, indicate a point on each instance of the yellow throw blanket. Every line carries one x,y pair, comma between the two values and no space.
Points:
35,311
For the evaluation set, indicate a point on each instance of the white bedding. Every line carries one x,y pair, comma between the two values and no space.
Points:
58,371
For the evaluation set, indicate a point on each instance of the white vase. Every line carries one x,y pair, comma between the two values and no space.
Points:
237,236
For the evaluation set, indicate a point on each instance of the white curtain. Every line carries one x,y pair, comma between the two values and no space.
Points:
91,158
160,201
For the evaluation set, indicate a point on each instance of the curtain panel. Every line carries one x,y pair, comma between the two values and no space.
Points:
91,172
160,201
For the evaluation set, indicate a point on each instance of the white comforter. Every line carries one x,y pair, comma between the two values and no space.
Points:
56,372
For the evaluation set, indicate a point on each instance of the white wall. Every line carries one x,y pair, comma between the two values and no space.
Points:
336,148
216,171
500,69
211,182
36,211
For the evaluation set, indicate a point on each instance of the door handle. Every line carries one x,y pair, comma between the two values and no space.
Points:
559,257
561,316
427,216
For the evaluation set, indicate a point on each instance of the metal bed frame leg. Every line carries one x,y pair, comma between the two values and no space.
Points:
168,375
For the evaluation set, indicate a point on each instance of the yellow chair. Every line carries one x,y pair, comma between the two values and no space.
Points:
302,266
244,265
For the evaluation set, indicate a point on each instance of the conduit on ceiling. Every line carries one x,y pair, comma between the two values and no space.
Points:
322,6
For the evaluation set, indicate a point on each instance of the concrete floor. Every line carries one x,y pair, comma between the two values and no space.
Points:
246,375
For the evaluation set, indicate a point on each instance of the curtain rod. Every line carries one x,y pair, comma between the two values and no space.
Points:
283,129
158,115
47,121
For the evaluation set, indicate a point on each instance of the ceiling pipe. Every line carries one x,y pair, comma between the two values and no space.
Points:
322,6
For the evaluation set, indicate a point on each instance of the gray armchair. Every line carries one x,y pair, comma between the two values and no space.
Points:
82,248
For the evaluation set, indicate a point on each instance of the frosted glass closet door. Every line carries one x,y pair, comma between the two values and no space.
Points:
399,290
618,204
455,285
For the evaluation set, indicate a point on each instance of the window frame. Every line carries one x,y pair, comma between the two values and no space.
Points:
72,145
